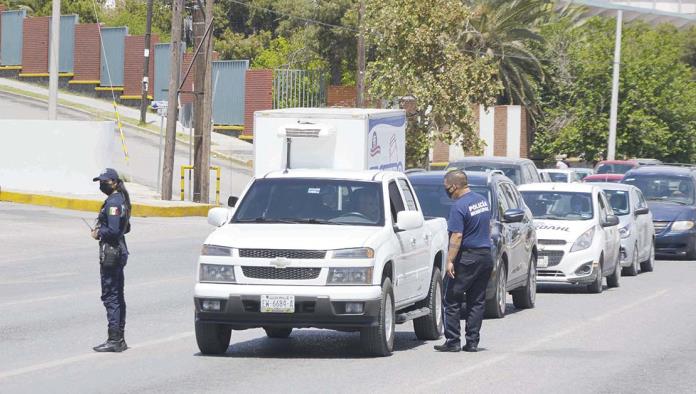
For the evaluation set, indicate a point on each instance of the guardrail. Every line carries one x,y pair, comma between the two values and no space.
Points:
217,181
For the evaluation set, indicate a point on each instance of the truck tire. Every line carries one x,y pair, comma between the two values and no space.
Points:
429,327
596,286
649,264
278,332
495,307
525,297
613,279
633,269
379,340
212,338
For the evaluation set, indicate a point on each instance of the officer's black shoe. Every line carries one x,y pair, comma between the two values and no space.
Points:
470,347
115,343
123,339
447,347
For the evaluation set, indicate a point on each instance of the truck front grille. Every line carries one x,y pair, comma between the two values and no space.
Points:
552,242
286,253
554,256
290,273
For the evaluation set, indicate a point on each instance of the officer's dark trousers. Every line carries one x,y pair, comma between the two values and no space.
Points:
472,273
112,281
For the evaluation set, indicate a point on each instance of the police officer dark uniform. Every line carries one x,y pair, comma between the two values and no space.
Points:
112,224
469,263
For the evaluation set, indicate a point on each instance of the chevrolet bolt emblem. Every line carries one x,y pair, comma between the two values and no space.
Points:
280,262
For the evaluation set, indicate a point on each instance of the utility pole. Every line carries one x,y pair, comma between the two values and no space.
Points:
53,62
613,114
172,102
202,20
360,79
146,64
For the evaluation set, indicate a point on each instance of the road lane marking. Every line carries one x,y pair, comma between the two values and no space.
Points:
548,338
91,291
89,356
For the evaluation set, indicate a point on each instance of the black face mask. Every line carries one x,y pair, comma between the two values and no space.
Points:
106,188
449,193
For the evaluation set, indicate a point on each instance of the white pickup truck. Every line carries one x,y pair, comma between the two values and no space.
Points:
329,248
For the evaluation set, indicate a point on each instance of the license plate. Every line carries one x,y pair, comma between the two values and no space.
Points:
277,304
543,262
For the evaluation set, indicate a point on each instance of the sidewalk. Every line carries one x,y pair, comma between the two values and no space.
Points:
223,146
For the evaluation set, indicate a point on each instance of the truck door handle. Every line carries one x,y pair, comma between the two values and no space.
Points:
413,242
426,237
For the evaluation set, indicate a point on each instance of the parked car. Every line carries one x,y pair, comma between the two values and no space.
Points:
520,171
669,192
615,166
512,232
603,178
635,227
583,172
578,234
649,162
545,177
561,175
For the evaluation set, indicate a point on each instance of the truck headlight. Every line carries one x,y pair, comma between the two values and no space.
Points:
350,276
625,232
584,241
682,225
215,250
216,273
353,253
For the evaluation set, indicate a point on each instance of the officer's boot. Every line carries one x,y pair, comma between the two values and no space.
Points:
122,337
113,344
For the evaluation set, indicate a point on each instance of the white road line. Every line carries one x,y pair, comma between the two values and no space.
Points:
540,342
89,356
91,291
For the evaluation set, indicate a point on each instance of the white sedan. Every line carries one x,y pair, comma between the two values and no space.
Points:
578,234
561,175
636,227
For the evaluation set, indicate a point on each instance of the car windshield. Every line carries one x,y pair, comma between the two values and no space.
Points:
558,177
676,189
512,172
618,199
607,168
559,205
312,201
434,201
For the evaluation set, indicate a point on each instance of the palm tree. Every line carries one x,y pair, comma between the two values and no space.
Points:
506,30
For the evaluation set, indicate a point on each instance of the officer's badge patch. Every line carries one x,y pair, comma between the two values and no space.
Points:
114,211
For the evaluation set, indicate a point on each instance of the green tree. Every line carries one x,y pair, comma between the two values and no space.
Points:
418,52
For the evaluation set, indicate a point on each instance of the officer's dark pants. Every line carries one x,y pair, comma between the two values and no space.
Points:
472,272
112,281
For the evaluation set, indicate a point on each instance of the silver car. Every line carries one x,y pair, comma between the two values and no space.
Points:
636,227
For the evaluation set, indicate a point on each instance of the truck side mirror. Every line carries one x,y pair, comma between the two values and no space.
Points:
232,201
612,220
408,220
218,216
513,216
642,211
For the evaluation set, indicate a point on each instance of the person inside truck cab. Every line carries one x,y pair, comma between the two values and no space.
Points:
366,203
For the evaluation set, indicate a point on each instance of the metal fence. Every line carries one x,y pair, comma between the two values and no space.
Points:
12,24
299,88
228,91
114,39
67,42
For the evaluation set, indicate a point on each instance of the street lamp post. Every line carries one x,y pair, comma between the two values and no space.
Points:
611,149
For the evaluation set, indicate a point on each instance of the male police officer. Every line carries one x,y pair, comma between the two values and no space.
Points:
469,263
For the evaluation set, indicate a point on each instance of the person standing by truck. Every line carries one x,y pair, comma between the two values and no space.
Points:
469,263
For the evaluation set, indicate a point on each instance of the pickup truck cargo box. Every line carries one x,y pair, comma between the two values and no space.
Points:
329,138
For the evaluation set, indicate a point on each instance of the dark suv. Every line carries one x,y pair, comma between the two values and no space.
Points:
520,171
671,195
512,232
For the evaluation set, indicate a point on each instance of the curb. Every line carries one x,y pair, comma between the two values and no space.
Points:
80,204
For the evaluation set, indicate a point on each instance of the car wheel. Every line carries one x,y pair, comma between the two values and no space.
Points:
379,340
212,338
525,297
613,279
278,332
596,286
429,327
633,269
495,308
649,264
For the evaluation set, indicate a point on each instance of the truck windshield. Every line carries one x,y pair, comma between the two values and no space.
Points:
434,201
559,205
312,201
676,189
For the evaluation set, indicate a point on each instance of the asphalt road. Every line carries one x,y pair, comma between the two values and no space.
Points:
637,338
143,149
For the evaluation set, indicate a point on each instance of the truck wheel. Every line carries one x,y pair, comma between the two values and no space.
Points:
525,297
649,264
495,307
633,269
212,338
596,286
278,332
613,279
379,340
429,327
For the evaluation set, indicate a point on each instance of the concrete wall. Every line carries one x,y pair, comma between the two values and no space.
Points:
56,156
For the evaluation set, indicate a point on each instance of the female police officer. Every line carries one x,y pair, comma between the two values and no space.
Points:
112,224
